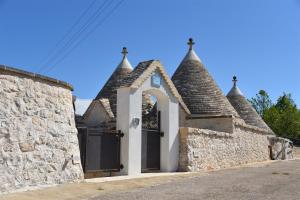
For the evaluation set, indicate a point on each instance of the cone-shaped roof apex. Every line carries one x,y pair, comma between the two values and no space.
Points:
109,90
125,63
198,89
244,108
234,90
191,54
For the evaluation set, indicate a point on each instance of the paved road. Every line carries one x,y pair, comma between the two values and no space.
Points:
279,180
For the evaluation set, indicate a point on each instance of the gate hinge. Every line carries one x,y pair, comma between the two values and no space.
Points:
121,166
162,134
120,133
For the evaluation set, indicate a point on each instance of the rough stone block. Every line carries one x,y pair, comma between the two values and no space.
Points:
33,146
26,146
281,148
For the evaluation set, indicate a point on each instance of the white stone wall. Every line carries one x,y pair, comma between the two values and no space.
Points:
203,149
38,137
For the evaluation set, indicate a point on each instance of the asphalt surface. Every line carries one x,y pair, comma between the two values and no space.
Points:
276,181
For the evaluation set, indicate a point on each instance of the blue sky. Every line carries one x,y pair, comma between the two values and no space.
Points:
257,40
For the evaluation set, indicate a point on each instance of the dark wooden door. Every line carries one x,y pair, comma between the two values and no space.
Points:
150,150
151,147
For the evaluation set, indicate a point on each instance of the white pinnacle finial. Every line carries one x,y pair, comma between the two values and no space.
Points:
191,55
235,90
125,63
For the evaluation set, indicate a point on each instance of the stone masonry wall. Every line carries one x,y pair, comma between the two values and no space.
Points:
223,124
203,149
38,138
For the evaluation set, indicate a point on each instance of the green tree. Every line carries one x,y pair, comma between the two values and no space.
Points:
284,117
261,102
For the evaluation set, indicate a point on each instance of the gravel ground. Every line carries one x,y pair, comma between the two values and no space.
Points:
266,180
297,152
278,180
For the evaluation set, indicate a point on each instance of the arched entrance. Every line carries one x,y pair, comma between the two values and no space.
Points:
148,77
151,130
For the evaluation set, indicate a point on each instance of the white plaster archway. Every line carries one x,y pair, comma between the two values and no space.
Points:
129,107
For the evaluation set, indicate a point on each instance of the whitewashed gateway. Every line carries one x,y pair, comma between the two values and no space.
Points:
148,78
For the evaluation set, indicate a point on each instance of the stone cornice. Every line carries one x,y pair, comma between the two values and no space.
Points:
34,76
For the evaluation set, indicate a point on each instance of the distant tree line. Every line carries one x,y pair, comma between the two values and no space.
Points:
283,117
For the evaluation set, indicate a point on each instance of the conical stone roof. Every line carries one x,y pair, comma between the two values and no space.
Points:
198,89
244,108
109,90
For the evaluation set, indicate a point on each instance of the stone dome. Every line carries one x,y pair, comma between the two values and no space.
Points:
198,89
244,108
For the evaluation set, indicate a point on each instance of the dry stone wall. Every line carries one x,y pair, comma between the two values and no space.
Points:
203,149
38,137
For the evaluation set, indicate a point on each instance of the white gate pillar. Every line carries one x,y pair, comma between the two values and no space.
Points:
170,142
129,112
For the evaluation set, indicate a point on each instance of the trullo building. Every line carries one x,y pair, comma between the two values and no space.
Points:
142,120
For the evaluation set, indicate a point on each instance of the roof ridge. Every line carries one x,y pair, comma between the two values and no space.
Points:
144,70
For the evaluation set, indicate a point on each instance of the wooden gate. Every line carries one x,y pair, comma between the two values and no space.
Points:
150,150
151,146
99,149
